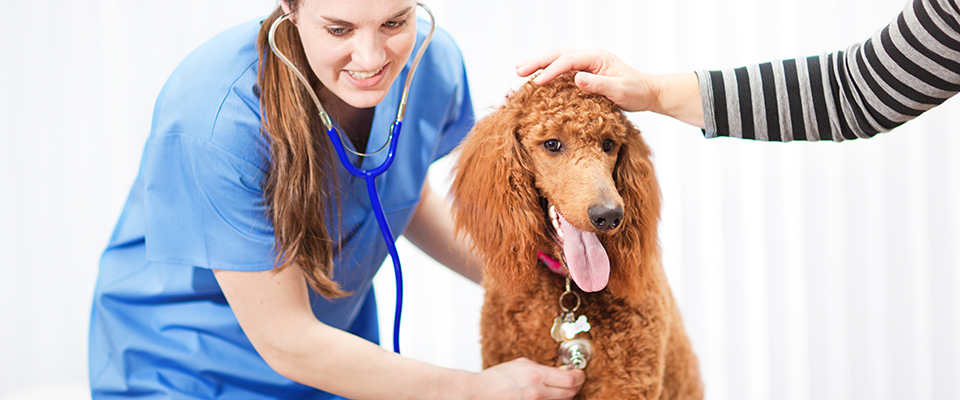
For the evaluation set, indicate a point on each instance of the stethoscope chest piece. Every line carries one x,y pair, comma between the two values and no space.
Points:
575,353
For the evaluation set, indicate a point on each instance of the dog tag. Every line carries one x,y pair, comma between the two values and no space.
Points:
570,329
555,331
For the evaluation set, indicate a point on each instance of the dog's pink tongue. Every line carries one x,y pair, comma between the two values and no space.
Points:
586,258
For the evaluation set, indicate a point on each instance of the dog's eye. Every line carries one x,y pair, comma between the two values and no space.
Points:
608,145
552,145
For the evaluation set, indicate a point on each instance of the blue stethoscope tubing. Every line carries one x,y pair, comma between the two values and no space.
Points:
368,175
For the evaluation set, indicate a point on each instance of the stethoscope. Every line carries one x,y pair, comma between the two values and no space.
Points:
336,137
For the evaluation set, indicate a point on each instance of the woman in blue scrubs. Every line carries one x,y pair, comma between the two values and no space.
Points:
241,266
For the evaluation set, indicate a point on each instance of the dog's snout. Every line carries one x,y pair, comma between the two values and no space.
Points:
605,216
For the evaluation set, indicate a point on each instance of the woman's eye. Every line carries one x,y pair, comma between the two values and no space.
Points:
337,31
552,145
395,24
608,145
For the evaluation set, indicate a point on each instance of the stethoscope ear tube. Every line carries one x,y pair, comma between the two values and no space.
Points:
271,34
369,176
416,61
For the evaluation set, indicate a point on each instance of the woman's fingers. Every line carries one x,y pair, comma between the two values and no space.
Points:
598,72
562,383
563,377
542,60
556,62
529,380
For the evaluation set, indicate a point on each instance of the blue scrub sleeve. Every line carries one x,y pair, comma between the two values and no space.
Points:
204,206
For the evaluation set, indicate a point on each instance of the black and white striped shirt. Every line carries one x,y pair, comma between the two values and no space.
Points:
909,67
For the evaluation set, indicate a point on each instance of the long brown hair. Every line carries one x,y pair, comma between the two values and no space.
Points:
302,176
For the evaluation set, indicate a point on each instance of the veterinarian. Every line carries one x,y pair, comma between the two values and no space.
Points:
911,66
241,265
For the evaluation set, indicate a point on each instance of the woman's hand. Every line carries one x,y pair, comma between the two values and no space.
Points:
601,72
525,379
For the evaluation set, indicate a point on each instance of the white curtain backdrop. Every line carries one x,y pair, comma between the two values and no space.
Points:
803,270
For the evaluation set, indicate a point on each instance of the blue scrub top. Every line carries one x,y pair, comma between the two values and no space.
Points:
160,325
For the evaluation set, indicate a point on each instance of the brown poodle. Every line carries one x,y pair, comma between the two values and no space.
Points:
563,172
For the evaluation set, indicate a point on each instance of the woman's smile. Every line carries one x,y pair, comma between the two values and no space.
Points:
365,79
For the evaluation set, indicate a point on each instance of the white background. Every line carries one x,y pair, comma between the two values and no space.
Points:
803,270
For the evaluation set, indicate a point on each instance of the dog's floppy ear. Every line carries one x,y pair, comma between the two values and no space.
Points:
637,183
495,201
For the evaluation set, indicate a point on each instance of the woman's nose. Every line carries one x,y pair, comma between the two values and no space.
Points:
369,53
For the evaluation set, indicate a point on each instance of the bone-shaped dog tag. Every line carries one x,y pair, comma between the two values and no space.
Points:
570,330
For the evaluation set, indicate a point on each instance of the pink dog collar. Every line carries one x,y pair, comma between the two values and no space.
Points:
553,265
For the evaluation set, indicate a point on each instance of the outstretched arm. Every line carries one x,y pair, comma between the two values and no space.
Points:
874,86
904,69
273,309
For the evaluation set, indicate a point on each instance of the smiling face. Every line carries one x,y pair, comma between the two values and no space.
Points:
356,48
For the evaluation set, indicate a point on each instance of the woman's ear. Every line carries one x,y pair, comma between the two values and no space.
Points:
285,6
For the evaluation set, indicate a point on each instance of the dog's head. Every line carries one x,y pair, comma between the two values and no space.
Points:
562,171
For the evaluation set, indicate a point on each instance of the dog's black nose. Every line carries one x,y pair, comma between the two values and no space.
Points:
605,217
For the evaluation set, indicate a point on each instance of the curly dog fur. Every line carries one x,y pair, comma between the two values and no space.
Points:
505,177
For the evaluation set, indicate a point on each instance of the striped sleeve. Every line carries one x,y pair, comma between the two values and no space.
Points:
908,67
